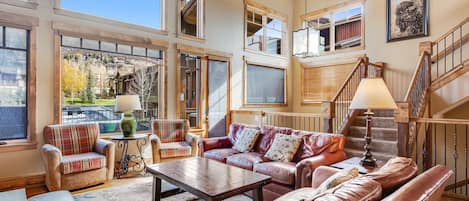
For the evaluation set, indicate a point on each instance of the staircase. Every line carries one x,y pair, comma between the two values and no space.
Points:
384,133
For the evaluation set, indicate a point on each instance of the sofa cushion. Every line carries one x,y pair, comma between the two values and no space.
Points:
175,149
82,162
281,172
396,172
267,137
299,194
170,130
72,139
360,188
338,178
220,154
245,160
315,143
247,139
236,129
283,148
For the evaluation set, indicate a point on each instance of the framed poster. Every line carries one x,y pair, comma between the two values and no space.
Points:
406,19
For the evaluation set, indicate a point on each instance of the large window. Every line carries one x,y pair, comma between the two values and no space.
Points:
340,28
190,87
264,32
265,85
94,72
191,18
147,13
14,72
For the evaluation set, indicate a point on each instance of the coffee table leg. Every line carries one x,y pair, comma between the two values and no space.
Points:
257,194
156,195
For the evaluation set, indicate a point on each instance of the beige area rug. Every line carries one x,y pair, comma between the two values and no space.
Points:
139,189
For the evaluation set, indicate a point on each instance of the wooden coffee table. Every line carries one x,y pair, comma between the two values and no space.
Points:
207,179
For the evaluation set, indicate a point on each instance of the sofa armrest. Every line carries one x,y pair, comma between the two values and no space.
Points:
155,148
213,143
193,140
108,149
321,174
305,168
52,157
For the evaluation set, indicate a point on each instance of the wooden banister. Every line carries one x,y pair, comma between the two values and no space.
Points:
413,81
347,80
451,30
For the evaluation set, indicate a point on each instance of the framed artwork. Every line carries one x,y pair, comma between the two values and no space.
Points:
406,19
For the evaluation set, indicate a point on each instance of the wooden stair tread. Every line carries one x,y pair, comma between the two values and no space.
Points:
374,128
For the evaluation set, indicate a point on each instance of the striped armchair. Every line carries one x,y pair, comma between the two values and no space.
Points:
171,139
75,157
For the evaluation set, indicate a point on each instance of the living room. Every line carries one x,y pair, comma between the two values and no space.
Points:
202,99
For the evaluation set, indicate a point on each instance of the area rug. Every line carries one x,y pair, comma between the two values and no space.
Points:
139,189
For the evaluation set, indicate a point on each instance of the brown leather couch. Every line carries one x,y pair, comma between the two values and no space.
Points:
399,173
317,149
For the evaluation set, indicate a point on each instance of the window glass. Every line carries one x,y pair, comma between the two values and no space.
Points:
274,41
91,79
348,26
71,41
91,44
1,36
189,95
189,17
264,33
146,13
13,85
139,51
265,85
322,25
274,24
254,36
124,49
154,53
15,38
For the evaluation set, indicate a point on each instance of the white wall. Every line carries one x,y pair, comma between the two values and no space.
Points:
224,32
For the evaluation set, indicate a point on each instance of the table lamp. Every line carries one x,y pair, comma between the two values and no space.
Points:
372,94
128,104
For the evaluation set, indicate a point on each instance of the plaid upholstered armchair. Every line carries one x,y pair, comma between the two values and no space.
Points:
75,157
171,139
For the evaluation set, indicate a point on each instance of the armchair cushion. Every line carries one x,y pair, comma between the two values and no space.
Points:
175,149
170,130
281,172
82,162
72,139
220,154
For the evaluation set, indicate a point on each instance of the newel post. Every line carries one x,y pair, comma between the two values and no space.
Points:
364,69
402,119
328,112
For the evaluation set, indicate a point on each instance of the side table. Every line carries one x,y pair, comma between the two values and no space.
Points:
355,162
123,143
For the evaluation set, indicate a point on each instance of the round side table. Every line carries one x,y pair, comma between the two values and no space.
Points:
123,143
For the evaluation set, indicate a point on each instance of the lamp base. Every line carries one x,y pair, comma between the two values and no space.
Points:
128,124
368,159
370,162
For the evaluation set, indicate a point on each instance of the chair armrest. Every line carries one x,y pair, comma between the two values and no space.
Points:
193,140
155,148
52,157
321,174
213,143
305,168
107,148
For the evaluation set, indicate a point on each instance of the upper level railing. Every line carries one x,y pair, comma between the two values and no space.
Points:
298,121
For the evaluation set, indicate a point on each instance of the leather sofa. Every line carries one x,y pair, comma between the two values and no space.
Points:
316,149
395,181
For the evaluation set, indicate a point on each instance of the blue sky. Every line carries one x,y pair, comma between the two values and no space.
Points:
141,12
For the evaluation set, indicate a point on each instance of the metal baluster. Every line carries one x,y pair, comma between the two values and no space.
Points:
445,55
455,155
424,151
437,59
452,52
465,153
416,144
460,45
434,142
445,142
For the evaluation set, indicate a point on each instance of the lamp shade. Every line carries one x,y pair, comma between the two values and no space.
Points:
372,93
127,103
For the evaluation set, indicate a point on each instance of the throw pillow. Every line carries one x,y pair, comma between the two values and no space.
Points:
338,178
283,148
247,139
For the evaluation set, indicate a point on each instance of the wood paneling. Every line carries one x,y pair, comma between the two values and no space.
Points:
321,83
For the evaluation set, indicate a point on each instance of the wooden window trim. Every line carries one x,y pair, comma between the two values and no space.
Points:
97,34
201,19
285,96
330,11
29,23
31,4
253,6
102,20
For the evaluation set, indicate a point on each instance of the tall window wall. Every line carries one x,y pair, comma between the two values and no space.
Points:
94,72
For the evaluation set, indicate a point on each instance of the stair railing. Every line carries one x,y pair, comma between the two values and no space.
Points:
336,113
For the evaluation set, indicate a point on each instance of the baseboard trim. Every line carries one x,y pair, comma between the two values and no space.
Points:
10,183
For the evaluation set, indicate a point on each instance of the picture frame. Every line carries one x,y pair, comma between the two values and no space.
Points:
406,19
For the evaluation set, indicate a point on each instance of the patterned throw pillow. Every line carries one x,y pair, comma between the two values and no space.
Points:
246,140
283,148
338,178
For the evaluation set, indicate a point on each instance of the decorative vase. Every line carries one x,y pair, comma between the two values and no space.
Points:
128,124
